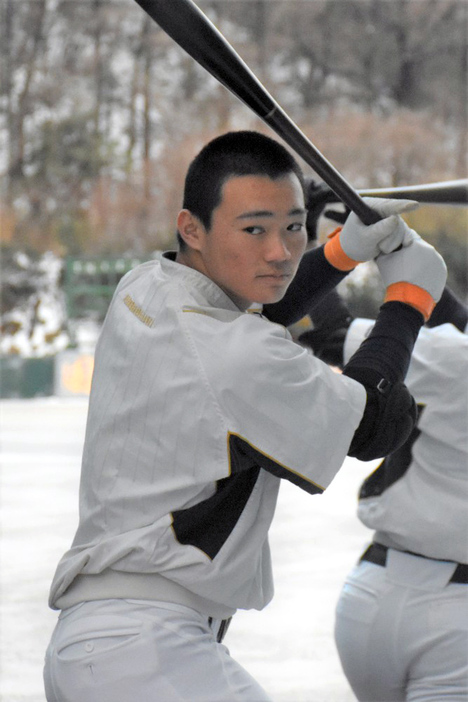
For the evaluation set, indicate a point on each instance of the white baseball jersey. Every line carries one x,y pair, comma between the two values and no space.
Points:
417,499
196,411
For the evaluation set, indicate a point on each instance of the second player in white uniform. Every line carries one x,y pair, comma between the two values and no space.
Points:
402,617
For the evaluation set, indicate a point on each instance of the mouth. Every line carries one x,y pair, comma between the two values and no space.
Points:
280,277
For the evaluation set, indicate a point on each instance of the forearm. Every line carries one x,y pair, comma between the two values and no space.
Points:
314,279
388,348
380,364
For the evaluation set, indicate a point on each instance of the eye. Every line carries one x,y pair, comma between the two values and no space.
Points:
296,227
254,230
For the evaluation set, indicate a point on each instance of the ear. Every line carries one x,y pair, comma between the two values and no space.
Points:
190,229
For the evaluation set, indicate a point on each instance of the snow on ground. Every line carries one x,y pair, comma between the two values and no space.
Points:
288,646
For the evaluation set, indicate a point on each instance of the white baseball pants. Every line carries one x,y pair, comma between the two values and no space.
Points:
402,631
128,650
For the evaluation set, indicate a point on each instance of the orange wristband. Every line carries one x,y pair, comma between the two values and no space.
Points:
335,255
412,295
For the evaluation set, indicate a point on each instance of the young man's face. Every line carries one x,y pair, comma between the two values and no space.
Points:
256,240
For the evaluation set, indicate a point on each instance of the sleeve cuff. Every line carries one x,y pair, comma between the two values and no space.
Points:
335,255
412,295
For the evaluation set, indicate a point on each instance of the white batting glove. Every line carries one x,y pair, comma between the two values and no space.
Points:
415,275
358,242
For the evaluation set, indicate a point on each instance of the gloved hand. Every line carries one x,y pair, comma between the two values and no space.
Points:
415,275
357,242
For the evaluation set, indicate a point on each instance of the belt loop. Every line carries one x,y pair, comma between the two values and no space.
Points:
460,574
375,553
222,628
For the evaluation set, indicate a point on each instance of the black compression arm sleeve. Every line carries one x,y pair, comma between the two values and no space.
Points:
315,277
388,348
381,364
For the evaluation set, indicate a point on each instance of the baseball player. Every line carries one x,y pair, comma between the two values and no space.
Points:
200,404
401,619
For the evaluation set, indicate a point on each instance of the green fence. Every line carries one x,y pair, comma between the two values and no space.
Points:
26,377
90,282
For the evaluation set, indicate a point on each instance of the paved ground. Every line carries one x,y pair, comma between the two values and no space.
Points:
288,647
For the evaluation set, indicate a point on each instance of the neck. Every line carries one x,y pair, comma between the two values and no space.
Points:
192,259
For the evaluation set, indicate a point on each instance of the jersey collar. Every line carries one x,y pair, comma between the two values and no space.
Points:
211,292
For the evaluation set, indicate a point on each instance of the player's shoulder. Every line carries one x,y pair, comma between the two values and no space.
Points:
446,333
240,332
439,364
245,343
442,342
139,273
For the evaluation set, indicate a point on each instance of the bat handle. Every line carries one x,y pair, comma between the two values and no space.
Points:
366,214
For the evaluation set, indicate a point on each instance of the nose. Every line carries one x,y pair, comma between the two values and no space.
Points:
277,249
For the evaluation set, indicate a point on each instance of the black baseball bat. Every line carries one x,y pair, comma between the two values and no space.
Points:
184,22
449,192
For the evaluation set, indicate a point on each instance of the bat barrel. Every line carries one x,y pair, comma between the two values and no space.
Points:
193,31
184,22
451,192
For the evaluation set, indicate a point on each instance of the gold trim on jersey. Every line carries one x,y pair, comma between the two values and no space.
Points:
211,312
269,458
196,310
137,311
218,314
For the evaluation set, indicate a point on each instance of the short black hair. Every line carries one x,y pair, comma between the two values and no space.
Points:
230,155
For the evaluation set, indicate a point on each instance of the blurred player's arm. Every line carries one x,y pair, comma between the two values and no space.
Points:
331,319
449,309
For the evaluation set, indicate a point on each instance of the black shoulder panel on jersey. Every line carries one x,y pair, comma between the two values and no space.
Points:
208,524
241,447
